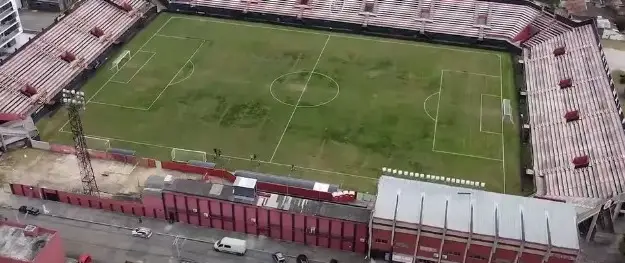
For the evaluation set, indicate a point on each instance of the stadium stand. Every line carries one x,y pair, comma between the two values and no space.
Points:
569,106
34,75
584,158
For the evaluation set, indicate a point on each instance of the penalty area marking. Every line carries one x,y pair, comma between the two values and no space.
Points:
481,113
336,84
425,107
436,121
228,156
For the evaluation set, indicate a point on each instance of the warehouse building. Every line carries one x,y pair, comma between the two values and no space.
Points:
452,224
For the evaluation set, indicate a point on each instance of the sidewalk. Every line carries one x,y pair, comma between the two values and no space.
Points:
160,227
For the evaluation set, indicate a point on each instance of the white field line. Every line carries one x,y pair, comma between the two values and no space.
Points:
468,155
503,144
228,156
481,112
471,73
440,89
337,35
436,125
188,76
114,74
170,36
140,68
425,107
118,106
300,97
180,70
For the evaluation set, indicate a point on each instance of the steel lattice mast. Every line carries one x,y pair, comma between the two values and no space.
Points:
75,102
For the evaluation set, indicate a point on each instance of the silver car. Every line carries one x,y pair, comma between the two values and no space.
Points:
142,232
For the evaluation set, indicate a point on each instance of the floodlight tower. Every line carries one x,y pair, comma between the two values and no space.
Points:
75,102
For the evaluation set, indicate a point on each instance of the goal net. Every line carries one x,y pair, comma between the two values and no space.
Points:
507,110
120,60
98,144
184,155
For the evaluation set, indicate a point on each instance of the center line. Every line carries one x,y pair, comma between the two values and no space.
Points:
300,98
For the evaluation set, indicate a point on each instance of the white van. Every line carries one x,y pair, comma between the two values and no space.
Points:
231,245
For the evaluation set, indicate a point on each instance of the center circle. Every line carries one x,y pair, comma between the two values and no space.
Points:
318,88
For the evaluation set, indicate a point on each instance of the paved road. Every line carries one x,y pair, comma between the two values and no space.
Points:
110,244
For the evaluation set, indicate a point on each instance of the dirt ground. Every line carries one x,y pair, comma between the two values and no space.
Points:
60,171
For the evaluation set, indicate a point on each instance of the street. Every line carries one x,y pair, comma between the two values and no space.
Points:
111,244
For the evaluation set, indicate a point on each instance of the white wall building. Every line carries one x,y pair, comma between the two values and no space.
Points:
10,27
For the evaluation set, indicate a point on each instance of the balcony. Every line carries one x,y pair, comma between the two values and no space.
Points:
4,12
5,39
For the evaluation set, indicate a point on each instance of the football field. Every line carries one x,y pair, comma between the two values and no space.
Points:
309,104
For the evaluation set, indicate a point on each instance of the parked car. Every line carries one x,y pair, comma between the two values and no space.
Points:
278,257
231,245
29,210
302,259
142,232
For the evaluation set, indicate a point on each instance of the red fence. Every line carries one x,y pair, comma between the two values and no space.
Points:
120,206
307,229
186,168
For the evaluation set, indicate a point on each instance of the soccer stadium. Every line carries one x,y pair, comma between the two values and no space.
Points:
482,94
397,129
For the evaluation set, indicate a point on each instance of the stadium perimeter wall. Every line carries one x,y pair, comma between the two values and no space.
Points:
221,214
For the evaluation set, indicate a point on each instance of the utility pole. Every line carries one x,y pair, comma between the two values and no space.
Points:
75,102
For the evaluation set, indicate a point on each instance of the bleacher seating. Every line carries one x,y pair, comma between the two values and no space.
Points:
595,143
51,61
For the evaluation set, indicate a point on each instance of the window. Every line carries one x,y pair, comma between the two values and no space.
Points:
227,246
377,240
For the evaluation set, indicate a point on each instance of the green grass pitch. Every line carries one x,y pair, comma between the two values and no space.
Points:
338,107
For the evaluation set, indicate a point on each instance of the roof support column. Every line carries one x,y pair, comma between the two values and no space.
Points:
416,247
549,246
496,243
440,249
469,239
522,247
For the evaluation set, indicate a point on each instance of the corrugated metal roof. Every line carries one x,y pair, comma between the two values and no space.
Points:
513,217
292,204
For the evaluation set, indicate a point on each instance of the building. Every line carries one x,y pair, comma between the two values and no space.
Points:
29,244
452,224
10,27
242,208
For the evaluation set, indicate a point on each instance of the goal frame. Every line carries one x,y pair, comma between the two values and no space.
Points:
201,153
115,64
107,143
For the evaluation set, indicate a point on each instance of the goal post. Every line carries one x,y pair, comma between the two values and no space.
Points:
99,144
507,110
123,57
184,155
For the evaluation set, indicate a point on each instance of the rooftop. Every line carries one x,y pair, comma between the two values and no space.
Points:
491,214
15,244
275,201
